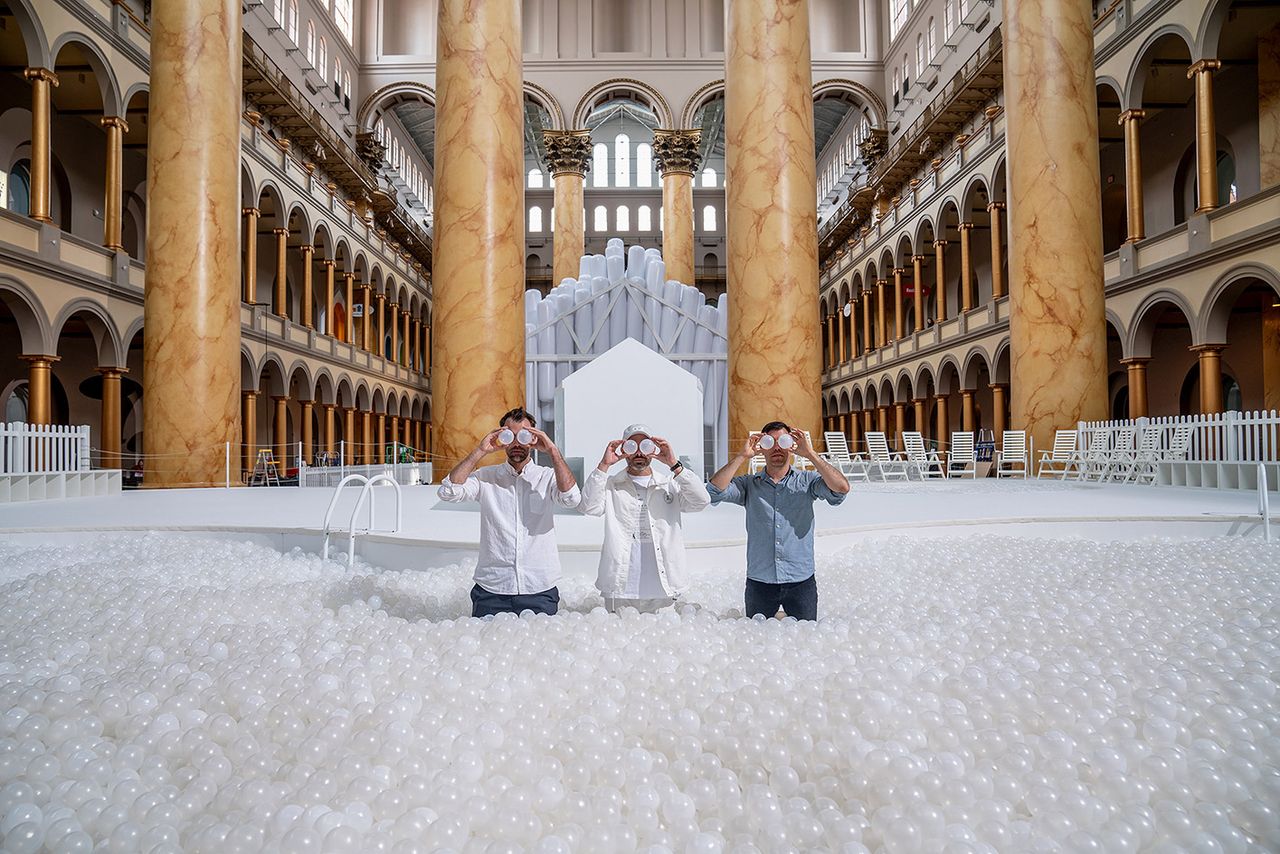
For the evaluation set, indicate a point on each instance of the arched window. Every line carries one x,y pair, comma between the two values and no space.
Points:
277,10
535,220
933,38
601,219
964,8
644,165
535,179
644,219
920,57
897,83
291,27
622,161
346,84
949,18
311,44
622,221
322,59
18,196
343,18
906,72
709,218
708,177
600,165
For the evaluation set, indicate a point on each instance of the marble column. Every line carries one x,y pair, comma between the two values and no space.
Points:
880,312
840,340
569,160
280,432
113,198
967,420
329,264
415,360
380,445
1131,120
42,81
940,279
996,211
1057,323
899,424
280,294
1206,134
771,213
966,267
191,352
850,319
394,320
407,437
330,444
366,327
1269,110
918,407
249,433
882,420
39,388
426,350
852,431
381,299
940,414
249,278
1137,368
999,406
109,433
1210,356
308,253
867,343
867,425
899,316
395,435
917,290
675,155
349,435
367,450
831,340
404,337
308,434
349,298
479,221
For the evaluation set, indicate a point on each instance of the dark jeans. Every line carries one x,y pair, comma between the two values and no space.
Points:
798,598
486,604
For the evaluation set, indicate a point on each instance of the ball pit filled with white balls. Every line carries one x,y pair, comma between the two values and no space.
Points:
972,694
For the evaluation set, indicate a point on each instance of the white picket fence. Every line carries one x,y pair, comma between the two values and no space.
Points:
43,448
1225,452
43,461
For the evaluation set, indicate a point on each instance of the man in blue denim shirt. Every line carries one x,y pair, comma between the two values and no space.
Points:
779,502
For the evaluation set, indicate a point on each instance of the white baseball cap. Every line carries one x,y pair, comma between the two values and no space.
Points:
636,428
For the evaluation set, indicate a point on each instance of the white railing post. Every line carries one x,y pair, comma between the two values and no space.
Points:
227,463
1264,501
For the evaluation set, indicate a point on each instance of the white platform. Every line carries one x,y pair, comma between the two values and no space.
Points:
437,534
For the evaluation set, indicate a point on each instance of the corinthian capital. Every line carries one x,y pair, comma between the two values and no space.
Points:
568,151
676,150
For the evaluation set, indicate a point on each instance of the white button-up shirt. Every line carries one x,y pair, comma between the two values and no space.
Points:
518,553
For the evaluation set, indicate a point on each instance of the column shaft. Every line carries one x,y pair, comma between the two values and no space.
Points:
839,325
918,407
39,388
569,239
367,450
109,431
1131,120
280,295
899,424
917,291
380,447
349,297
308,253
867,343
966,267
677,225
382,321
366,328
404,337
771,213
308,433
249,278
191,358
1057,322
114,189
1210,356
899,316
329,431
249,433
999,405
1206,134
944,437
1137,368
831,341
328,296
479,224
280,433
996,210
349,436
940,279
42,80
880,312
967,412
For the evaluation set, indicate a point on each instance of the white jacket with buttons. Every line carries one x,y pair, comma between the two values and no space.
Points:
616,499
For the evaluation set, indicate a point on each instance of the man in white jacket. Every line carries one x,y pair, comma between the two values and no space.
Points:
642,561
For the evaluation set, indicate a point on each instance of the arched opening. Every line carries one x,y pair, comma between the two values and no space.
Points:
1162,90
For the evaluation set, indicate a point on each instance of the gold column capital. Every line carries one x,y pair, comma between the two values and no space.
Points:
106,372
941,244
1134,115
1198,349
38,360
866,292
996,206
250,212
1203,66
114,122
1000,386
306,249
249,393
918,259
941,397
328,262
675,152
899,271
42,75
280,232
965,226
281,398
1136,361
882,283
568,152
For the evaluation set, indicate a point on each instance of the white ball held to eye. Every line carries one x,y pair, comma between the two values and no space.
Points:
646,446
784,441
506,437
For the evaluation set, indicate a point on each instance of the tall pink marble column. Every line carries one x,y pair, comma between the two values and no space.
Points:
191,352
479,224
569,158
775,350
1057,323
675,155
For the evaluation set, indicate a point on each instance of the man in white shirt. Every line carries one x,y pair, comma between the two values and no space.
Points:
518,567
642,561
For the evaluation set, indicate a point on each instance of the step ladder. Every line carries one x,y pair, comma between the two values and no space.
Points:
264,470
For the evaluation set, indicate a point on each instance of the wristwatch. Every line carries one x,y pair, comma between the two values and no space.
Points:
675,469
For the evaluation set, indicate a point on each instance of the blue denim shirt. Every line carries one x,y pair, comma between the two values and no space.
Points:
779,521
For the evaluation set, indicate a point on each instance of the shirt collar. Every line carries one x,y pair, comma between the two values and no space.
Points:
763,474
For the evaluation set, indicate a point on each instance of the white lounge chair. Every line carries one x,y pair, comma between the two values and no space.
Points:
851,466
1146,462
890,465
1063,457
1117,459
961,459
1012,460
925,460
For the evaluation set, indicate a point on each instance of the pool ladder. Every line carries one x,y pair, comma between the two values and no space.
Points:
366,492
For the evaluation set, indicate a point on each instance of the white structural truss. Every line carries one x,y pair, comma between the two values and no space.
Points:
619,295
